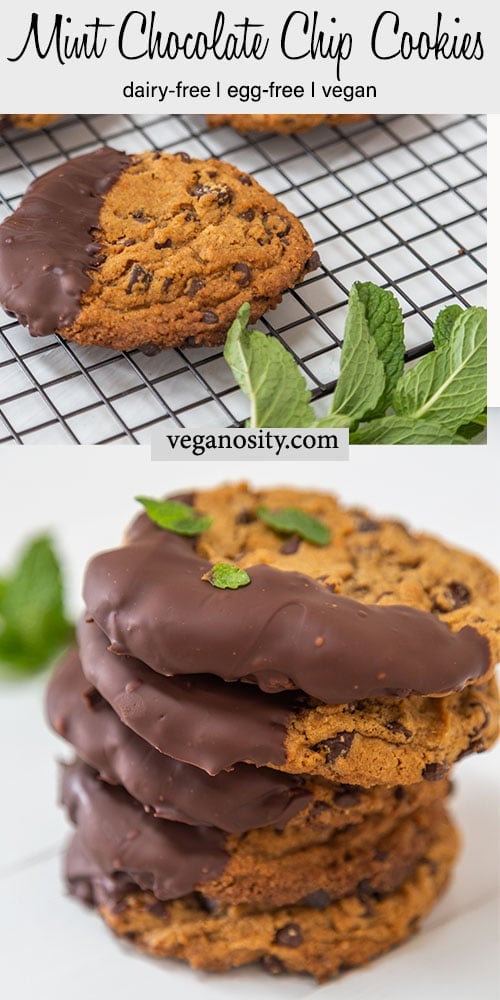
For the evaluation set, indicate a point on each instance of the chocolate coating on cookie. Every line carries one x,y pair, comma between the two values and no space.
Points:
131,251
49,246
199,720
171,859
243,799
283,631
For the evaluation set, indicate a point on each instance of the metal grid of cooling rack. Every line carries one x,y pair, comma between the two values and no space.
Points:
398,200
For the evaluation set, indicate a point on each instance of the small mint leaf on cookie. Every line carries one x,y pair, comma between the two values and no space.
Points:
292,521
227,577
172,515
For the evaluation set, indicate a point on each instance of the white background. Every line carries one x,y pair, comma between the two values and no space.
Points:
96,85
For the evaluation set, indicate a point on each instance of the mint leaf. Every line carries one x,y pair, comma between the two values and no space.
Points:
403,430
33,623
444,323
449,385
268,375
174,516
227,577
361,381
292,521
385,324
333,420
474,427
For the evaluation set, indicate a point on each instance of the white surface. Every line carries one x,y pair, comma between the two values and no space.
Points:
57,948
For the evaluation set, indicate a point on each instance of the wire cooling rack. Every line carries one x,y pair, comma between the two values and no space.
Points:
398,200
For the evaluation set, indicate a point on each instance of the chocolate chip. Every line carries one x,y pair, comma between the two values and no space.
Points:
337,746
191,217
166,284
199,190
347,797
246,517
290,546
190,342
150,349
158,909
475,746
196,285
397,727
365,888
245,272
485,720
139,215
139,274
248,215
380,855
210,317
222,192
434,772
459,593
163,246
364,523
207,904
318,900
245,179
399,793
185,157
313,262
290,936
317,809
129,243
273,965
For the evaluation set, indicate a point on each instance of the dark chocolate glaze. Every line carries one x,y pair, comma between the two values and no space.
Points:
243,799
199,720
50,245
170,859
88,883
282,631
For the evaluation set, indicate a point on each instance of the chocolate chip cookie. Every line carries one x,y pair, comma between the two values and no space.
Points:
148,250
298,810
282,124
258,868
317,937
31,122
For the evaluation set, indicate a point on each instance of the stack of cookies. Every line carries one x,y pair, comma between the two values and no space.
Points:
266,702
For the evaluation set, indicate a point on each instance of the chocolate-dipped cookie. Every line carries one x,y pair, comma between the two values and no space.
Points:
209,723
301,810
255,869
148,250
320,938
282,124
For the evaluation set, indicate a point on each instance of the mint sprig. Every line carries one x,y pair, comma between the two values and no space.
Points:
444,324
173,515
227,577
362,380
448,385
293,521
268,375
34,627
440,400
